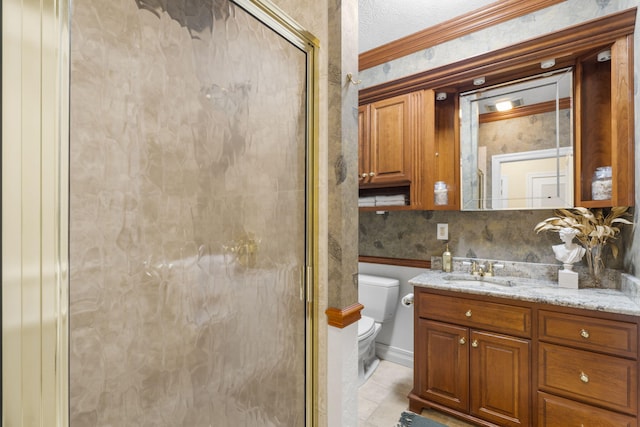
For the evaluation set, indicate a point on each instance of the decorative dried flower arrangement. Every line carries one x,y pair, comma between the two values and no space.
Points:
595,230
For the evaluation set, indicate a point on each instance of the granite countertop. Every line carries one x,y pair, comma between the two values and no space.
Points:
624,300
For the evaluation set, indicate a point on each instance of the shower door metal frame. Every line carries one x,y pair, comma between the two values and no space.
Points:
270,15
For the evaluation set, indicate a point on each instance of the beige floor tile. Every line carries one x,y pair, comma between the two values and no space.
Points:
383,397
366,408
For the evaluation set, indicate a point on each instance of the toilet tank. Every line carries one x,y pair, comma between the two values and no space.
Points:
379,295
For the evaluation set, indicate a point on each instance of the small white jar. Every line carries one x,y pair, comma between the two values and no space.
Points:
601,183
440,196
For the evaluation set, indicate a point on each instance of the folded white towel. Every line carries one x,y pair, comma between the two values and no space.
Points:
392,203
391,197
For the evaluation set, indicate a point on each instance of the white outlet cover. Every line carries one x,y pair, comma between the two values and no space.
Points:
442,232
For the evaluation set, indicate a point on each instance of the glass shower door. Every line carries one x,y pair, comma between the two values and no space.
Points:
189,233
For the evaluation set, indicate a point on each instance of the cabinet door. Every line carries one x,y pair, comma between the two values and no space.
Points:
442,361
500,378
390,142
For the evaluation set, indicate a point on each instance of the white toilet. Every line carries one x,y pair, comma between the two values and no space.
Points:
379,295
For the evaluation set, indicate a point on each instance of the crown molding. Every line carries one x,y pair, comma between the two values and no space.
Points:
462,25
515,61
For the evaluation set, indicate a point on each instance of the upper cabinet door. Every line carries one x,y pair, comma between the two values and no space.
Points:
390,145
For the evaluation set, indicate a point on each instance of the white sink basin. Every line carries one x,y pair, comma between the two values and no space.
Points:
468,279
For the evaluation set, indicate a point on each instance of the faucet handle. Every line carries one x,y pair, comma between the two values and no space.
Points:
490,269
474,267
475,270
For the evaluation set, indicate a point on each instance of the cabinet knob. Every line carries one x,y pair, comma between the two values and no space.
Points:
437,154
474,343
584,333
372,174
468,313
584,378
462,341
364,175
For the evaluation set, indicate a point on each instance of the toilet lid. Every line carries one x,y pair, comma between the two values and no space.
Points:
366,326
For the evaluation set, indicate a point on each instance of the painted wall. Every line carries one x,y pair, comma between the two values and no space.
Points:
504,235
395,339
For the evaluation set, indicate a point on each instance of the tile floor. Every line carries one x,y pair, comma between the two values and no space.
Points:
383,397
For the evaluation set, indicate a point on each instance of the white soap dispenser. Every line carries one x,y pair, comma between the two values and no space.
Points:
446,260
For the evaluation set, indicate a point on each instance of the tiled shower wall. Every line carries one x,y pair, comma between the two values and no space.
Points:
187,217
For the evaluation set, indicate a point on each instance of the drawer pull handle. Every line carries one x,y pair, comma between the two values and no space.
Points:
468,313
584,378
584,333
474,343
462,341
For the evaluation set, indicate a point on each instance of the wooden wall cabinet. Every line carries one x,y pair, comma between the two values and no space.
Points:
604,106
407,143
605,124
385,143
390,139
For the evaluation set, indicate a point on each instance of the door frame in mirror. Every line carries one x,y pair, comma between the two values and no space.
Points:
498,160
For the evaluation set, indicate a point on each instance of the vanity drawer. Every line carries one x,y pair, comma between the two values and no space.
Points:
554,411
489,316
608,336
590,377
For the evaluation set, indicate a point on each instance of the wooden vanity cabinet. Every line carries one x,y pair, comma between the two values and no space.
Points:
500,362
467,364
587,369
604,129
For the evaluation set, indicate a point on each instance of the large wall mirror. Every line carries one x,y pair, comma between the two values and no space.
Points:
516,144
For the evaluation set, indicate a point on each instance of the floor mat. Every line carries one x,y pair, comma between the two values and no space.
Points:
409,419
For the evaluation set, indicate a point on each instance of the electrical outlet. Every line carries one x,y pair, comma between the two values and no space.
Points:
442,232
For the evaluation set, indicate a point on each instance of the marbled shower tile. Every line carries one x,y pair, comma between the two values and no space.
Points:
175,154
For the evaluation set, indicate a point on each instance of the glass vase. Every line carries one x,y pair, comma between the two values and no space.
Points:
595,262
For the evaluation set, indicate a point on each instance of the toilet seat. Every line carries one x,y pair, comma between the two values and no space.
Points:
366,327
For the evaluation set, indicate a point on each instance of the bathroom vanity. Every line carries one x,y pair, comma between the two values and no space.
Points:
521,352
